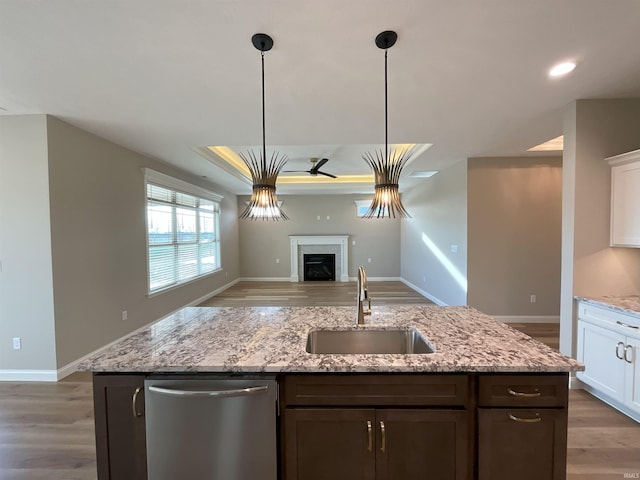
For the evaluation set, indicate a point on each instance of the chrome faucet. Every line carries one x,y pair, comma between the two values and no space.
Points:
362,295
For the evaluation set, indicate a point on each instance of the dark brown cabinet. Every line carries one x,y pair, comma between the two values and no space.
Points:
395,440
378,426
522,427
120,426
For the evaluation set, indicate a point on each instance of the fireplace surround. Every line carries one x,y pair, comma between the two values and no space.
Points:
311,244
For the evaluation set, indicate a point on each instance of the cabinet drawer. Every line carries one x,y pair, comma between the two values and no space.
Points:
621,322
523,390
376,390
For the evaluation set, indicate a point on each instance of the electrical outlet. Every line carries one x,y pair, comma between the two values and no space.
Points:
277,260
533,298
17,343
454,248
318,218
125,315
328,217
369,259
353,242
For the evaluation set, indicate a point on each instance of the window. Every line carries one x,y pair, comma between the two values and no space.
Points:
183,239
362,206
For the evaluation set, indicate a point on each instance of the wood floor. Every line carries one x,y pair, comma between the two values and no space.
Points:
46,429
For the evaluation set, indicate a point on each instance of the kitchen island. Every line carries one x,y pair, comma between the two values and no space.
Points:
475,408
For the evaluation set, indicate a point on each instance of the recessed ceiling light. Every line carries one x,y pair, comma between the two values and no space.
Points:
423,173
561,69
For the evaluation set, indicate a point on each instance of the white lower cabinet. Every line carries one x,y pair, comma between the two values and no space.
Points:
609,347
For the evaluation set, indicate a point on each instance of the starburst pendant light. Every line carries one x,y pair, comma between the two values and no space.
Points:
387,166
264,202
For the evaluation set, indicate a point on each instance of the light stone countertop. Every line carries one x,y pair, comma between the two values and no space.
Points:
273,339
628,304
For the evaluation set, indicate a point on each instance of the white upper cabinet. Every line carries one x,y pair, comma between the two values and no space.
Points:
625,199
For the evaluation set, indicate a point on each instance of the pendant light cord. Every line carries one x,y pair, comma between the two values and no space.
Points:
386,123
264,142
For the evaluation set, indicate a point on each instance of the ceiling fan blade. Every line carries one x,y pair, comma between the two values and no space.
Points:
296,171
327,174
317,166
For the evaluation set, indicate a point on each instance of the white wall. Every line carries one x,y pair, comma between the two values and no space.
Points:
26,283
438,207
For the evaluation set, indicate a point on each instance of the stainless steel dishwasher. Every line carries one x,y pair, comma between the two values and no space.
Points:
211,429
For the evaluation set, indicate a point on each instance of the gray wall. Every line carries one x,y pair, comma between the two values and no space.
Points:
26,283
438,207
263,242
594,130
98,247
514,207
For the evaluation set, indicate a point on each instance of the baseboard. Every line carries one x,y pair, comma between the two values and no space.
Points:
68,369
614,404
265,279
433,298
377,279
527,318
574,383
28,376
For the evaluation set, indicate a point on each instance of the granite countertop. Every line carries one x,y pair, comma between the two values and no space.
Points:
273,339
628,304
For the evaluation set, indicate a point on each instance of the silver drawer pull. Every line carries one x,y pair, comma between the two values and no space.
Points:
622,324
238,392
134,401
537,419
628,348
383,431
513,393
369,436
618,354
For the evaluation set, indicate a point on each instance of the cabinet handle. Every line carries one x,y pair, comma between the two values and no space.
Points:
537,419
622,324
134,401
383,445
628,348
370,436
513,393
618,350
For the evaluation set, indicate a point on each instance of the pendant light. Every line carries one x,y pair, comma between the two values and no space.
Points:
263,204
387,165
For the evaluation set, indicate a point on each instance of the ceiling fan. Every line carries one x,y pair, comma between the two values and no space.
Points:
315,168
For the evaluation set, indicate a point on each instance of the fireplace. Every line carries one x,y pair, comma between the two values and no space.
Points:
319,267
315,244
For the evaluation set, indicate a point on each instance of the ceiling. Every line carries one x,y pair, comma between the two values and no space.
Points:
168,78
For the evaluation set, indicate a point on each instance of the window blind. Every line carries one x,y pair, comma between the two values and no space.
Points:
182,236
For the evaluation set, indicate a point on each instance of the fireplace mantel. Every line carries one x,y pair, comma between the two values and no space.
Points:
298,241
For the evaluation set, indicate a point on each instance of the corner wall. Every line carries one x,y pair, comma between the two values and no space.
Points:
98,239
26,283
593,131
438,207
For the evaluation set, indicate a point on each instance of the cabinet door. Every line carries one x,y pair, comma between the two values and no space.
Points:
526,444
601,350
120,428
625,198
632,378
412,444
329,444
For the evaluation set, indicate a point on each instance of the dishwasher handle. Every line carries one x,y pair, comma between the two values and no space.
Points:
237,392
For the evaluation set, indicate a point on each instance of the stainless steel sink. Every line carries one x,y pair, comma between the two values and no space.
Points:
360,341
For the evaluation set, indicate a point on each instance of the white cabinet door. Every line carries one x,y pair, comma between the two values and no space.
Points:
625,205
632,380
599,349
